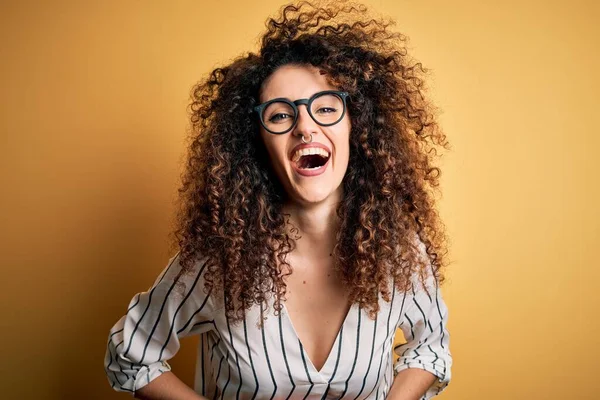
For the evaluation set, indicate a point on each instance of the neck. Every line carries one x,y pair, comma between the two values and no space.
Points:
317,225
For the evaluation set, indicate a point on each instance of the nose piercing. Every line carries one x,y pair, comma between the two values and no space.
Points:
310,141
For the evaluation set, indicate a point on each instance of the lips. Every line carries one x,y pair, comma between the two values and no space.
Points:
309,172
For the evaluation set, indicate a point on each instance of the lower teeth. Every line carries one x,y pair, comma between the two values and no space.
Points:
312,168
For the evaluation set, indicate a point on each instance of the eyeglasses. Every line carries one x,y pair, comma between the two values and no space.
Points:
280,115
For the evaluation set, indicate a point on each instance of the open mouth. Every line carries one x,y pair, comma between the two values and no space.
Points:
310,158
312,161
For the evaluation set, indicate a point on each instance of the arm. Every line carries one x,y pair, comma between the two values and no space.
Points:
142,341
424,363
167,387
411,384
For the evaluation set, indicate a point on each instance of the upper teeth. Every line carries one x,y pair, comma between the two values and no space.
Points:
308,151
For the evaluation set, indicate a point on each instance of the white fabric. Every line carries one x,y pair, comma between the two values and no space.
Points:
243,362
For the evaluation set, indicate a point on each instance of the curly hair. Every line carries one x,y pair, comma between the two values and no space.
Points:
230,203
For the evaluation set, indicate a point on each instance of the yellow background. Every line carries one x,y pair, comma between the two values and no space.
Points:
92,120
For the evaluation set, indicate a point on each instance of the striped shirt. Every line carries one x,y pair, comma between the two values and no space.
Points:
243,361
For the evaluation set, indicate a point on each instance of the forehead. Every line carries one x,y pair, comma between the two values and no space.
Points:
294,82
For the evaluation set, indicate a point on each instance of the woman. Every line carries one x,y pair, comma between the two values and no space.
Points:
307,230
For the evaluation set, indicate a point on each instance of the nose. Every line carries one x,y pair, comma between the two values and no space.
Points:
305,125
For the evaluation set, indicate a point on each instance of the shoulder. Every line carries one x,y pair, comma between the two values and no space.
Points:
185,283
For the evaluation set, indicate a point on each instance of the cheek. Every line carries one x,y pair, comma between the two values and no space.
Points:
345,155
344,145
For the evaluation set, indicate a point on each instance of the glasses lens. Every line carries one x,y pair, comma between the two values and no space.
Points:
327,109
278,116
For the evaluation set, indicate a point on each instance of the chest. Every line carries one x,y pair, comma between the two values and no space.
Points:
316,309
276,362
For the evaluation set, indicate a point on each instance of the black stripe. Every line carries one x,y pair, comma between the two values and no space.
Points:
437,295
370,357
251,362
121,369
441,318
390,314
305,369
202,361
387,339
355,354
386,386
417,355
114,333
401,309
407,340
212,350
412,333
443,359
177,312
285,358
219,374
228,377
267,354
146,310
201,306
116,377
110,354
194,314
119,364
176,257
425,320
336,363
202,323
236,360
428,295
400,323
136,302
139,321
404,352
162,307
436,357
421,343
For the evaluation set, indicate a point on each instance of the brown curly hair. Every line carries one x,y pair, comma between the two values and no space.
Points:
230,204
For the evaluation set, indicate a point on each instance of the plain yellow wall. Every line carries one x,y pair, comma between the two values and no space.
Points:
93,116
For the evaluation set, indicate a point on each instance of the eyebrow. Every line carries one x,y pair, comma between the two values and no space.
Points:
287,98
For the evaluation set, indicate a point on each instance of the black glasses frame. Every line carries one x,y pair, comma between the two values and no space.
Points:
294,104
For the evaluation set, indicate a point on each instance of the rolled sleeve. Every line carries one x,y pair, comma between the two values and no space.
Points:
142,341
424,324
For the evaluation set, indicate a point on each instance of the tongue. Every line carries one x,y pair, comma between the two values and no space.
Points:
311,161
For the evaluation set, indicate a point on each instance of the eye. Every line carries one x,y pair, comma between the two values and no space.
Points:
278,117
326,110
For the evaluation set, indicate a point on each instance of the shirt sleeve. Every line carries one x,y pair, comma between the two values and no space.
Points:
424,324
142,341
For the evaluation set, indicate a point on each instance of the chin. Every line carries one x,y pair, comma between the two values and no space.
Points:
314,196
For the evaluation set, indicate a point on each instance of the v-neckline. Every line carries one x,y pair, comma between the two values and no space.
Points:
331,351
